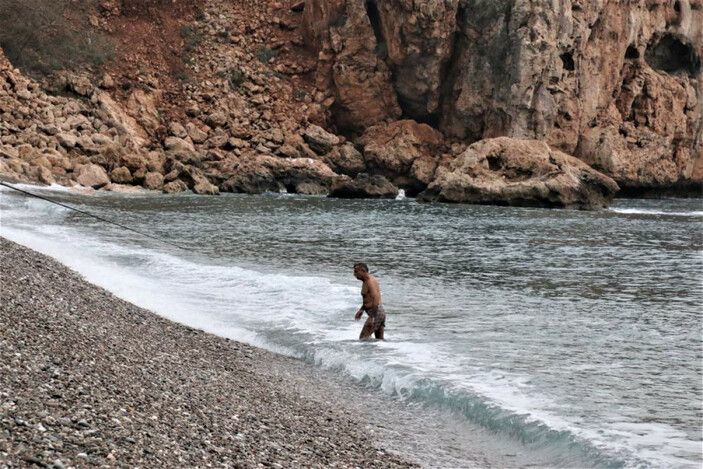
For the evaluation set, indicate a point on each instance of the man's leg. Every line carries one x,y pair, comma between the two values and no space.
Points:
379,333
367,329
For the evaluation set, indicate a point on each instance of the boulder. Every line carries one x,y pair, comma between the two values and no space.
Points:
205,187
67,140
100,139
92,175
364,187
506,171
178,145
175,187
265,173
177,130
216,119
406,152
346,160
134,161
120,120
80,85
121,175
153,181
45,176
319,139
143,107
107,82
195,133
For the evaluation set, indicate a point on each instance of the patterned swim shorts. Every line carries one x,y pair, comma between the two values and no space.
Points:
376,319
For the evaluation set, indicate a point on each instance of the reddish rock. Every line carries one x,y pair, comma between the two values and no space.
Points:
264,173
121,175
346,160
319,140
153,181
405,152
174,187
350,63
617,84
363,187
92,175
506,171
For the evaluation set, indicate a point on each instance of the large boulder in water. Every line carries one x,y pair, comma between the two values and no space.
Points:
507,171
265,173
364,187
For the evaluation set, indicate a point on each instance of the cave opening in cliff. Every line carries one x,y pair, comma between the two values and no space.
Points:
670,54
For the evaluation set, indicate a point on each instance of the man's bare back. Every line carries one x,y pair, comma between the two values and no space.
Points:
371,294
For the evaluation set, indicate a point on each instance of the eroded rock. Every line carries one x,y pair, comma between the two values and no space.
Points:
618,85
363,187
506,171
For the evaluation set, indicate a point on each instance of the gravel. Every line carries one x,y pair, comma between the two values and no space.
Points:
87,379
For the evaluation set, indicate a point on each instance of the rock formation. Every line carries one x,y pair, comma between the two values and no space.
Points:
617,84
311,96
405,152
364,187
506,171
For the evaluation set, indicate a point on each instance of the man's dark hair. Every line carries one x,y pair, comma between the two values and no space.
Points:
361,266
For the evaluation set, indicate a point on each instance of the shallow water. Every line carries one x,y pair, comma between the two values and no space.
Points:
572,338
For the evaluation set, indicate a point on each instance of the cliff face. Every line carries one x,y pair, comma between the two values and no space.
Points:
616,83
241,96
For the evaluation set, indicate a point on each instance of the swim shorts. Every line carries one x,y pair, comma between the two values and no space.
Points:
376,319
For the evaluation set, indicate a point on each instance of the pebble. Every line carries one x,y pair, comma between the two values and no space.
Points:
139,390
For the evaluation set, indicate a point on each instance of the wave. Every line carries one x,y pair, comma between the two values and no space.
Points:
51,188
639,211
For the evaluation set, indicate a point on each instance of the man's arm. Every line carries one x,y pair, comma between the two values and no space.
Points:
359,313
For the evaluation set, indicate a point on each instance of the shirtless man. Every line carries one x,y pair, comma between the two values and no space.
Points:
371,293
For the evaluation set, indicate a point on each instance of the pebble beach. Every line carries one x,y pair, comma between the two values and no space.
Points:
87,379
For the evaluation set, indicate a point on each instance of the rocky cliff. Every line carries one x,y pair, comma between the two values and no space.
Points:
616,83
362,97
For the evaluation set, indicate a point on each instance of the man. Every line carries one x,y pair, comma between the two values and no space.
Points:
371,293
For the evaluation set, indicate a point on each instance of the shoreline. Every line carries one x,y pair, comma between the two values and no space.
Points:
682,191
88,378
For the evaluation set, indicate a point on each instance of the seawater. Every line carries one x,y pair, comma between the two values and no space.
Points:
573,335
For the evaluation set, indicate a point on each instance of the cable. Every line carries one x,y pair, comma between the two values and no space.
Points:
105,220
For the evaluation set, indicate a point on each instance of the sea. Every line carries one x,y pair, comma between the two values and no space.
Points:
551,338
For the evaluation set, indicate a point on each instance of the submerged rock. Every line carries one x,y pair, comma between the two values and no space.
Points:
506,171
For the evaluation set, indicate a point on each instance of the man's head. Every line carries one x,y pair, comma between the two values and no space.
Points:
361,270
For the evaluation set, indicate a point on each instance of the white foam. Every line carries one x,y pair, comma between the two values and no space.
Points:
638,211
50,188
